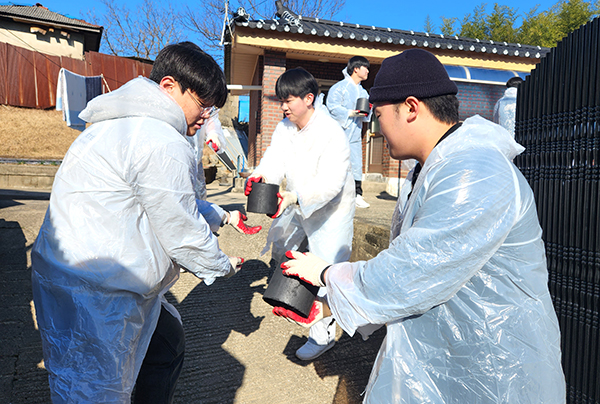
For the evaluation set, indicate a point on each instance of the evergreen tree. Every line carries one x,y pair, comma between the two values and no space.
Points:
428,26
475,25
540,29
543,28
447,27
500,24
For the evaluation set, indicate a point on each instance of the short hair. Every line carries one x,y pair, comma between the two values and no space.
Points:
356,62
514,82
296,82
444,108
192,68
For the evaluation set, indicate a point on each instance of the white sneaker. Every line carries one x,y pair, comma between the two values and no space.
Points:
361,203
312,350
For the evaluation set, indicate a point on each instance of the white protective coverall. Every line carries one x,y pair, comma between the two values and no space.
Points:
122,218
316,163
462,287
211,127
341,99
505,110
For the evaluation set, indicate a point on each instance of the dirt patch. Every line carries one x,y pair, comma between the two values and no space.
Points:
34,133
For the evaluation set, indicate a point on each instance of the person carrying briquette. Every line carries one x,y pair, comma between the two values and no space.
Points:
309,150
463,286
211,134
122,219
341,102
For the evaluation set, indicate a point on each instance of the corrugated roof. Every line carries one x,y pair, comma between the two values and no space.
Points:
42,14
324,28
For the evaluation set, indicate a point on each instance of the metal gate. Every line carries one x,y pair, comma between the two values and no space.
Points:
558,122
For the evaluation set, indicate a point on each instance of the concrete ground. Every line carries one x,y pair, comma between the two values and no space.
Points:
236,350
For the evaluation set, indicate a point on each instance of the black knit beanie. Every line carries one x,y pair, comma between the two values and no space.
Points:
414,72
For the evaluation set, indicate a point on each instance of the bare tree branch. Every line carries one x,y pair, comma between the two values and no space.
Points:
206,19
142,33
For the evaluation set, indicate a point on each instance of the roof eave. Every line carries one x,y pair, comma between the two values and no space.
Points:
358,33
92,29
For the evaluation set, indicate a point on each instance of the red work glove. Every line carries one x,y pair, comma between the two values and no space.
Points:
249,182
316,314
305,266
237,219
236,265
285,199
212,140
356,113
213,146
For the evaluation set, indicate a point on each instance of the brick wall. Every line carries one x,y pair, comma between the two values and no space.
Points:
274,64
265,113
364,140
474,99
477,98
326,71
390,166
254,116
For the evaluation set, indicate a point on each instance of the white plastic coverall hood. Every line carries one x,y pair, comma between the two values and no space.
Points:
212,213
122,217
315,162
462,287
341,99
212,125
505,110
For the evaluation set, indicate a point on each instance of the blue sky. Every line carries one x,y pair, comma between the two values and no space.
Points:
383,13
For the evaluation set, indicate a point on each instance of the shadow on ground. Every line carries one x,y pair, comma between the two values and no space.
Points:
22,376
209,314
385,196
229,329
351,360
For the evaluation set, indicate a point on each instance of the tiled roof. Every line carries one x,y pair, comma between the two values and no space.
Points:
324,28
43,15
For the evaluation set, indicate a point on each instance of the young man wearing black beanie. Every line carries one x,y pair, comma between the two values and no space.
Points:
462,288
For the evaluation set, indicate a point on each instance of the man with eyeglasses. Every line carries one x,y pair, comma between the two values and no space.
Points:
122,220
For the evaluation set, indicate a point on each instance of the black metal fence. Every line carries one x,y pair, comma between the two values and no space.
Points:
558,122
